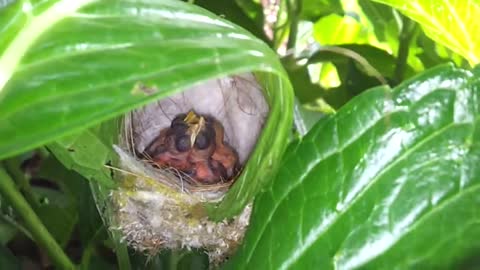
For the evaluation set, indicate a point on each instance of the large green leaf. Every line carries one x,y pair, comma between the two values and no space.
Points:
72,66
77,65
451,23
392,181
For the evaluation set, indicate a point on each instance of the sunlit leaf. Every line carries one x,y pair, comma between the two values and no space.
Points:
334,29
451,23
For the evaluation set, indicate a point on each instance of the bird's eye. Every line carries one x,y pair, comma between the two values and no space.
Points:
182,143
202,141
178,121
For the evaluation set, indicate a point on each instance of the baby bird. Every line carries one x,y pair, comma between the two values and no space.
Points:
195,145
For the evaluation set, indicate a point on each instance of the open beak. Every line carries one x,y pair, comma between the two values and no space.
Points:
195,125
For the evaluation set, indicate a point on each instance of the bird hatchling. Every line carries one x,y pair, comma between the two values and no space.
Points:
195,146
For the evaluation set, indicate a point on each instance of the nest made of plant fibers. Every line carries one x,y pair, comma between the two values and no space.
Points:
159,208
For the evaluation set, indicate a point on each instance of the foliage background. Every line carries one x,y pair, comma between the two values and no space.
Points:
332,52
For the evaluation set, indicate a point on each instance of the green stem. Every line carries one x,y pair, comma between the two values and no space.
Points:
89,250
294,8
32,222
121,251
279,28
354,56
12,166
406,35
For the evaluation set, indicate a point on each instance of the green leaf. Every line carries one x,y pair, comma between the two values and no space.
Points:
385,20
432,54
246,13
172,259
358,66
270,147
80,198
335,29
254,10
66,67
305,117
392,181
86,153
7,232
312,10
84,66
451,23
380,60
58,217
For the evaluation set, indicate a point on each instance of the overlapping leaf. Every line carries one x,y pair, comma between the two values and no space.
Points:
392,181
69,67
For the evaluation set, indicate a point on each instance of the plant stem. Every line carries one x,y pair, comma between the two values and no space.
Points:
12,166
406,35
294,8
279,27
354,56
32,222
121,251
89,250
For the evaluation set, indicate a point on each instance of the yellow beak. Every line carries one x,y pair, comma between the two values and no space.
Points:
195,125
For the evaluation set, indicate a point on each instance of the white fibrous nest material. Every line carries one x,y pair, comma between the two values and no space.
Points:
156,208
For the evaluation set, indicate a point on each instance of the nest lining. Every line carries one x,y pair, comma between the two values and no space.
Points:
155,208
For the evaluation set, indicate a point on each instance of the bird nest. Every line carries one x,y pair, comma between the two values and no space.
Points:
180,153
